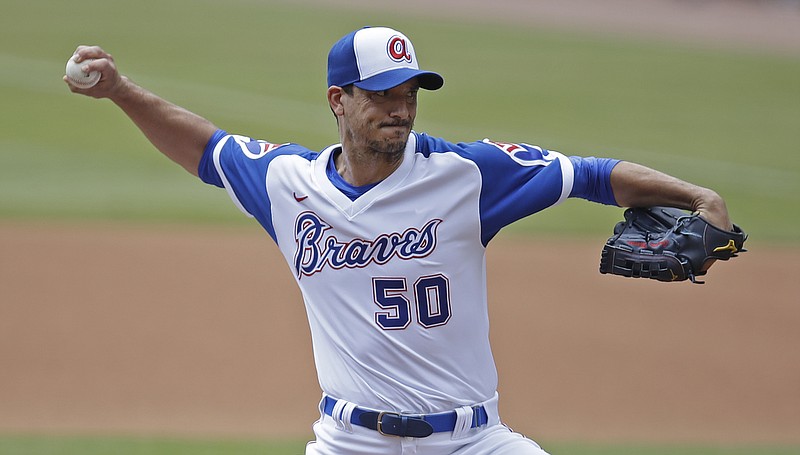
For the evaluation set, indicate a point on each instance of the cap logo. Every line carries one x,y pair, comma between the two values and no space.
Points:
398,49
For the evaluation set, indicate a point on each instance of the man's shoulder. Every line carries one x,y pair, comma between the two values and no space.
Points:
256,149
479,151
427,145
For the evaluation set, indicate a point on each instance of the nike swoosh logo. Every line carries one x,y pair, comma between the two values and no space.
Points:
299,198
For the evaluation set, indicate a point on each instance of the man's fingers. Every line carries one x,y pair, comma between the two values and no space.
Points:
95,52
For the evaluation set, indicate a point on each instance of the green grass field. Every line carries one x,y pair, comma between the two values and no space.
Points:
727,120
28,445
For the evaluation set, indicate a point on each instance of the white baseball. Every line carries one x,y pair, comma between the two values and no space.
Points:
76,75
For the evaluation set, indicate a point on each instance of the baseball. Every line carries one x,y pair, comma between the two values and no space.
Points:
76,75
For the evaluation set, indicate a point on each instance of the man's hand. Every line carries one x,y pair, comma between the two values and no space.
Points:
110,84
711,207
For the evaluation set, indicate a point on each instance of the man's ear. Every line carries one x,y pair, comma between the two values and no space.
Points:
335,95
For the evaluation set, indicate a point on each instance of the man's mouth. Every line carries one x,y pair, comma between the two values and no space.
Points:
395,125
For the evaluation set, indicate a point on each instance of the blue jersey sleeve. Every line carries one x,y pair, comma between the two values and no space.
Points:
206,170
239,164
519,180
592,179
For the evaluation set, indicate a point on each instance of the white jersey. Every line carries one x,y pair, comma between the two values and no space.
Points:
393,275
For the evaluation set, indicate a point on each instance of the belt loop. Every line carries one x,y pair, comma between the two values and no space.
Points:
464,419
341,414
480,416
347,414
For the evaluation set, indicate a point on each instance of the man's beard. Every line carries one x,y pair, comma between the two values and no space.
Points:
389,147
392,146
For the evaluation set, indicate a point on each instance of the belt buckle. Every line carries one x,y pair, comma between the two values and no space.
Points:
380,421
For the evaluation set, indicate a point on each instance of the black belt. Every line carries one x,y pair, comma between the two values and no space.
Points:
415,426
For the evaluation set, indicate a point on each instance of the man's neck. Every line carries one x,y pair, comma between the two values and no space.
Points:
360,167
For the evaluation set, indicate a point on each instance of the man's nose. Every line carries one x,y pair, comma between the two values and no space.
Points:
400,109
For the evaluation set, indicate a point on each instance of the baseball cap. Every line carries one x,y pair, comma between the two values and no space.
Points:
377,58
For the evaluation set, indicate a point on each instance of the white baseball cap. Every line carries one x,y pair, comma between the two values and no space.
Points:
377,58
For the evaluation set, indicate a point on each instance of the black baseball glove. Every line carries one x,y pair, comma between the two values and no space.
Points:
667,244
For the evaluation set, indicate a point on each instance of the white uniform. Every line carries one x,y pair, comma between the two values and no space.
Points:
393,275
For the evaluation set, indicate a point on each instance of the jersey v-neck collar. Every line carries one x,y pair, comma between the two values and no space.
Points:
351,191
369,194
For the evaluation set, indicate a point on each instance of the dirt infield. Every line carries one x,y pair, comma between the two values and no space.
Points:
200,331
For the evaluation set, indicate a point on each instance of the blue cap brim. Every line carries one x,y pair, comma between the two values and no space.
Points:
390,79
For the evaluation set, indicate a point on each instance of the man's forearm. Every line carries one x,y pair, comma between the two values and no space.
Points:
178,133
639,186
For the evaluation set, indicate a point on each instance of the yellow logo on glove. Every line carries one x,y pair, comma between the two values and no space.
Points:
729,247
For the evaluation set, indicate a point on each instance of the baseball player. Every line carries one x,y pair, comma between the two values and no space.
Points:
386,233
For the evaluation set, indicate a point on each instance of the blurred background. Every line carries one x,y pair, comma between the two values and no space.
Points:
136,302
